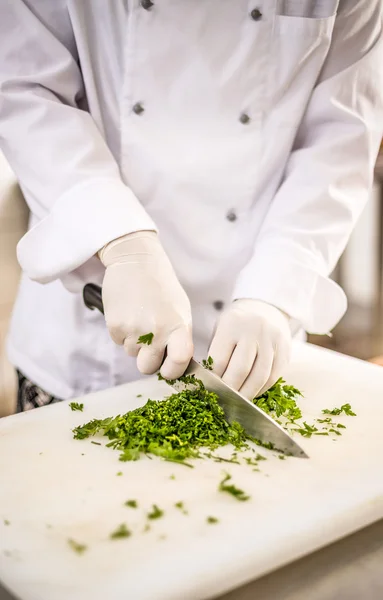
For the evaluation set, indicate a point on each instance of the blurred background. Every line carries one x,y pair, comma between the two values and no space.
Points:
359,272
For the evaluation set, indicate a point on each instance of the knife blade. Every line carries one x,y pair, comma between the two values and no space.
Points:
236,407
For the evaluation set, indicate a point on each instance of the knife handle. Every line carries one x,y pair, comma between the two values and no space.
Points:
92,296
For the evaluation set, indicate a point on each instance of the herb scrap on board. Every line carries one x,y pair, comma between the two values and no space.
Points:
155,513
345,408
230,488
76,546
122,531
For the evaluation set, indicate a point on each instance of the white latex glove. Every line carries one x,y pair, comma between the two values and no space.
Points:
251,346
141,295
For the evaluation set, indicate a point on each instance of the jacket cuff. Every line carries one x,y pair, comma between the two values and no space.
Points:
81,222
290,278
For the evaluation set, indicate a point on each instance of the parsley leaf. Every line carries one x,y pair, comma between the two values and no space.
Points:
345,408
232,489
180,506
76,406
76,547
156,513
332,430
147,338
280,400
208,363
307,430
212,520
121,532
131,503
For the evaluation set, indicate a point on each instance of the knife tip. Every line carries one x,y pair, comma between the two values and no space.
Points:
302,454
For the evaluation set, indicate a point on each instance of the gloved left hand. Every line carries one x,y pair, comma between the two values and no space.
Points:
251,346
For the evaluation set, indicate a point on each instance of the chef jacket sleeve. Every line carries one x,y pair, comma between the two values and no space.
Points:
67,172
327,180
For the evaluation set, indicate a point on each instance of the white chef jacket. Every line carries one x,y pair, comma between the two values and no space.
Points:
244,131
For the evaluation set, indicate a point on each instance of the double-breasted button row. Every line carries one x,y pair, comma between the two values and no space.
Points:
255,14
138,109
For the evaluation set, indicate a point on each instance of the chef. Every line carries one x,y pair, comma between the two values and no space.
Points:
205,161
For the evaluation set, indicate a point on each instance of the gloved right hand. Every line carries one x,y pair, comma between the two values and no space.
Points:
141,294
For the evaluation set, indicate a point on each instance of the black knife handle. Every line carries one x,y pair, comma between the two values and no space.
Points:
92,296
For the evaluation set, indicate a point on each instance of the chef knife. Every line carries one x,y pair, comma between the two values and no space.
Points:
236,407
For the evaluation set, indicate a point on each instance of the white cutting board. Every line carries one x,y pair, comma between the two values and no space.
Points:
53,488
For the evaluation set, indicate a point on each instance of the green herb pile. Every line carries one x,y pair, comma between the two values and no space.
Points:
174,429
280,402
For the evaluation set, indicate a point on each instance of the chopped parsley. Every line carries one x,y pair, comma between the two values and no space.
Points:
131,503
215,458
212,520
251,460
76,547
119,474
345,408
155,513
95,443
76,406
307,430
181,507
208,363
267,445
280,400
174,429
6,522
121,532
232,489
146,339
332,430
